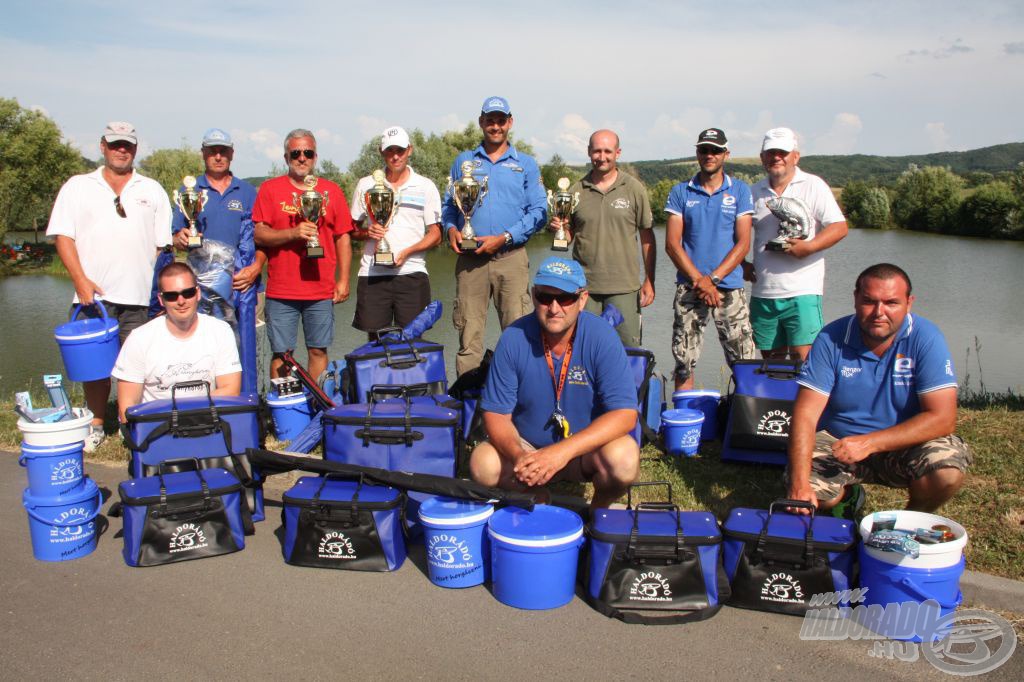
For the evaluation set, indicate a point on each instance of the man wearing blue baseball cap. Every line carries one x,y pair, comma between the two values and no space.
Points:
512,210
560,400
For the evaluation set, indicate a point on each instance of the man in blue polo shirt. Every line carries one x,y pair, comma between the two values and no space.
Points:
227,215
514,208
707,237
877,404
560,401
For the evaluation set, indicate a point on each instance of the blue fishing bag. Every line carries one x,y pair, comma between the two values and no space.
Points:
650,395
760,411
172,517
776,560
334,523
411,433
393,359
654,564
216,430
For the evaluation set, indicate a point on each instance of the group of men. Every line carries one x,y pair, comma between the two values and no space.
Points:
110,225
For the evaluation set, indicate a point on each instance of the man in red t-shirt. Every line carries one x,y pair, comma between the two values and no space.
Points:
299,286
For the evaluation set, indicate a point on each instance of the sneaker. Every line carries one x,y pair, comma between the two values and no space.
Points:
852,505
93,440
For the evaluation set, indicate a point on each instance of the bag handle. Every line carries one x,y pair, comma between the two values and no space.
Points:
325,512
780,370
669,507
382,339
205,505
95,302
629,492
633,618
762,539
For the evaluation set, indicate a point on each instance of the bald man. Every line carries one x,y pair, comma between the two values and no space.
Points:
610,232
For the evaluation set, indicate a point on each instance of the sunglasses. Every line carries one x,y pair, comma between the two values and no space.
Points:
172,296
119,208
564,299
296,153
713,151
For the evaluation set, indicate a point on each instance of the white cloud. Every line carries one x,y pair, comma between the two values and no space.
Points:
450,122
572,135
1014,48
938,137
264,142
841,138
369,126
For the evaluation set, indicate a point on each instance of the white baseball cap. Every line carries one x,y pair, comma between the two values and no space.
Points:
395,136
117,131
779,138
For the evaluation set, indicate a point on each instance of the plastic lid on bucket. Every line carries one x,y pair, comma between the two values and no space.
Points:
682,417
696,394
87,493
32,450
447,511
939,555
545,526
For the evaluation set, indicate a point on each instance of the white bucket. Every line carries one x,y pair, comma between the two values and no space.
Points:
939,555
57,433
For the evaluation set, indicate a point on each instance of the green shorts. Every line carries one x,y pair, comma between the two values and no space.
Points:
785,322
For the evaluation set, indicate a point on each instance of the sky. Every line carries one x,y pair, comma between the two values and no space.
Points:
889,78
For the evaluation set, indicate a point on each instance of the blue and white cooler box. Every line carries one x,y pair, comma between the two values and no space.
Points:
182,516
53,469
63,527
776,560
395,360
335,523
534,555
290,414
655,564
455,535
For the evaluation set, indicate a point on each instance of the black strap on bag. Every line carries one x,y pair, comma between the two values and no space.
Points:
761,553
323,514
370,434
192,426
780,370
383,338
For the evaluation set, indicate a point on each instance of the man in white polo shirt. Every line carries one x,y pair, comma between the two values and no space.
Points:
177,347
394,295
785,308
108,226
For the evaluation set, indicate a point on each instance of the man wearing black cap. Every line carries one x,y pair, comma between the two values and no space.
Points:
707,237
560,401
513,209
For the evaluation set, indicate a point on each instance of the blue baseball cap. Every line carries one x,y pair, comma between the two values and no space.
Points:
492,104
559,273
215,137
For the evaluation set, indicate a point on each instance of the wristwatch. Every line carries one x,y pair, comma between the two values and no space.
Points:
715,279
508,238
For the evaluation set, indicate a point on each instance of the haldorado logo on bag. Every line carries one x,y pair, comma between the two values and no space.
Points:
782,587
187,537
334,545
650,586
448,551
774,424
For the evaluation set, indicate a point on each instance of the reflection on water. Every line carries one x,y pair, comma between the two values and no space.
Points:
969,287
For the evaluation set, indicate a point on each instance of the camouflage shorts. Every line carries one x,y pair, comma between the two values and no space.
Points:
732,319
895,469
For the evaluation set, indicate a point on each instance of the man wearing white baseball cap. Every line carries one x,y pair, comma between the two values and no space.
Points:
785,307
108,226
394,295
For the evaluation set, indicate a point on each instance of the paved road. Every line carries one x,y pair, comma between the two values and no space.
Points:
250,615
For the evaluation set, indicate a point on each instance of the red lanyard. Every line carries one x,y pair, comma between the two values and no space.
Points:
558,384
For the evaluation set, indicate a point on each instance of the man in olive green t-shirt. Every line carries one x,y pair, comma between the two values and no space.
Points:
614,213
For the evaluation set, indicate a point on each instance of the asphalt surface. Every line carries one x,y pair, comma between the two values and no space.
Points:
249,614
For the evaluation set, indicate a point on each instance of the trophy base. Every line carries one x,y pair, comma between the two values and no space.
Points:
195,241
469,244
314,252
384,259
560,245
775,245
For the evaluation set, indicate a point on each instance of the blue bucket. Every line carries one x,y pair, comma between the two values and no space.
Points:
88,347
534,556
291,414
455,535
682,429
63,528
53,469
704,401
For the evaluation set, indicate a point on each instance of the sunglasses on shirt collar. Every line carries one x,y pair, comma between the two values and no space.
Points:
296,153
172,296
119,207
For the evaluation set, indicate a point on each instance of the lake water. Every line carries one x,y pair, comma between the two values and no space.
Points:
969,287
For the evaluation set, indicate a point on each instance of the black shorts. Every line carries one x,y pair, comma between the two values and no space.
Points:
128,317
390,301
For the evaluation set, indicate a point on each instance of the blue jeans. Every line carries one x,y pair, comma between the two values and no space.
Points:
283,323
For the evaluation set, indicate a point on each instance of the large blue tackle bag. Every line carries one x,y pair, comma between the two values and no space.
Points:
334,523
776,560
172,517
412,433
393,359
760,411
654,564
216,430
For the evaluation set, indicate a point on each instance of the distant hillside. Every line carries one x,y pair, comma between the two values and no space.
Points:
839,170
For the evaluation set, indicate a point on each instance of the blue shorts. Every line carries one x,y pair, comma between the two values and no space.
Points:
283,323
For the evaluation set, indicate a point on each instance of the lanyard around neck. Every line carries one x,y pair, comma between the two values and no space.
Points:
558,383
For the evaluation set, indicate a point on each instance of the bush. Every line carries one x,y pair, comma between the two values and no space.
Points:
994,210
928,199
865,206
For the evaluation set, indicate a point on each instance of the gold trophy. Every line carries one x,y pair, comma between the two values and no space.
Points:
380,202
190,203
562,204
467,194
311,205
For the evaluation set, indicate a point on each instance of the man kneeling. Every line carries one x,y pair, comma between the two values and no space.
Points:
877,404
177,347
560,400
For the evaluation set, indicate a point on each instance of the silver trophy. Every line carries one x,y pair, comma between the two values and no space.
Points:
380,202
190,203
794,221
467,194
562,204
311,206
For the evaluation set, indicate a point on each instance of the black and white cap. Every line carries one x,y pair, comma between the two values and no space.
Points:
714,137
